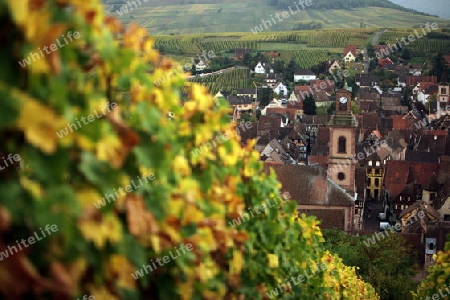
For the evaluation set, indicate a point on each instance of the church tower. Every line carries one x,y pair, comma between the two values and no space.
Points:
443,95
341,159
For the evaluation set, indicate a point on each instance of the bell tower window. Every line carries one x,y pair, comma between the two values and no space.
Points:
342,145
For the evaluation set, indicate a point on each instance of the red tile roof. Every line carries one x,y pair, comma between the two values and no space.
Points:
398,172
414,80
308,185
426,85
304,88
296,105
351,49
276,110
326,85
385,61
291,113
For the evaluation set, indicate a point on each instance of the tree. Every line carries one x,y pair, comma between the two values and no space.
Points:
247,59
406,54
265,95
332,108
309,105
373,64
279,66
142,208
291,69
370,50
439,67
388,263
406,97
355,108
359,57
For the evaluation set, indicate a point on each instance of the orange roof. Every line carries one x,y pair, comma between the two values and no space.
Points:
303,88
351,49
398,173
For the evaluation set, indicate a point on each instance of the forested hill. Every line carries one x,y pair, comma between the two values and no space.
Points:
345,4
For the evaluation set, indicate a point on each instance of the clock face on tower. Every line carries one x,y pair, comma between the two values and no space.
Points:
343,100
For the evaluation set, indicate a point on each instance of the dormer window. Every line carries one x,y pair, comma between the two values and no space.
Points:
370,163
377,163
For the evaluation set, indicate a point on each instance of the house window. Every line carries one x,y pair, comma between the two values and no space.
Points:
443,91
342,147
341,176
377,182
370,163
377,164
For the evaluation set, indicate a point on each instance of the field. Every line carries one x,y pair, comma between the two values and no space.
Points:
307,48
424,44
242,16
229,81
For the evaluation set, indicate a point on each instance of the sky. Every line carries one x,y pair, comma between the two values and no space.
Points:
440,8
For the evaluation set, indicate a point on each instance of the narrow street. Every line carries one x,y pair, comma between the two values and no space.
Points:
375,39
372,223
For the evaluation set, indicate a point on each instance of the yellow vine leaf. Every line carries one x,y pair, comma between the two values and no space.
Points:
38,122
32,186
122,268
236,263
273,260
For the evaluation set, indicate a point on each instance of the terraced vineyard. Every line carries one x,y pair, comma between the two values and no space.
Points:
431,45
196,43
333,38
305,58
229,81
424,44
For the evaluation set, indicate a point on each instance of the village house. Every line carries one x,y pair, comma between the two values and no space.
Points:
200,65
350,53
280,89
247,93
240,103
260,68
304,74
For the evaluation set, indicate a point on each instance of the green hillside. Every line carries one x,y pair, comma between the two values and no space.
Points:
174,17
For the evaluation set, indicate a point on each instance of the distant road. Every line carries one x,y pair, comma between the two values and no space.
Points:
376,37
218,71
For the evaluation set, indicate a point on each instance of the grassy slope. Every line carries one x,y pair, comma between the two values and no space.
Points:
242,16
